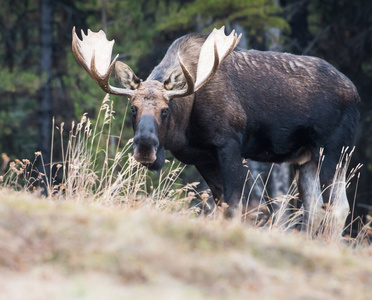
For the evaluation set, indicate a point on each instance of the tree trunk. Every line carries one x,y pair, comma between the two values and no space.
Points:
273,36
104,15
300,34
45,111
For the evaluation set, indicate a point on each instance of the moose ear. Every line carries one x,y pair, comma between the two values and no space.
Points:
125,76
176,80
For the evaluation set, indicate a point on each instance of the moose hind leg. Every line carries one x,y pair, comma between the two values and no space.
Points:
332,179
310,194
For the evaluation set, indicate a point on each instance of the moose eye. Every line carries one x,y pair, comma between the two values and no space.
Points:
165,112
134,110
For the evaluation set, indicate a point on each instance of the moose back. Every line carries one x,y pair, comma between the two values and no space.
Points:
211,106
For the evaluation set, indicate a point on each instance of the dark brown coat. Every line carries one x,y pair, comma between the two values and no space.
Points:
266,106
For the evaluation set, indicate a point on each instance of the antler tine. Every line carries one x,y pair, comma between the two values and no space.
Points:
209,60
212,71
189,81
85,53
222,46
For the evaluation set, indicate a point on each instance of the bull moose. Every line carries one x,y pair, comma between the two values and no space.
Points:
212,106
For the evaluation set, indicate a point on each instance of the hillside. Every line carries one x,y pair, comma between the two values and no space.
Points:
69,250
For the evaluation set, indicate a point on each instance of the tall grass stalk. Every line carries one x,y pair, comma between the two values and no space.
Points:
287,216
93,168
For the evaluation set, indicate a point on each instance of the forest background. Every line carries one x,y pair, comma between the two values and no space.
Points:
40,78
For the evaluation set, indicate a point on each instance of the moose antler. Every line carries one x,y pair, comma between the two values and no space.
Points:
214,50
93,53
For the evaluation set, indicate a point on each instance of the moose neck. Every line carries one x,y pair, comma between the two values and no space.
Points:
179,119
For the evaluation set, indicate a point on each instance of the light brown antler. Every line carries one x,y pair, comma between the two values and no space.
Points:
214,50
93,53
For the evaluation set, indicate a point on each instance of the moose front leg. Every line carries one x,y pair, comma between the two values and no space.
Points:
232,174
211,174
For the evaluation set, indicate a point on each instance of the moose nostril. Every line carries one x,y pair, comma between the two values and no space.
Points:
135,142
156,142
146,142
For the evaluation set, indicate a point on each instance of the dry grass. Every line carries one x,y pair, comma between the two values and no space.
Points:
105,232
96,169
80,251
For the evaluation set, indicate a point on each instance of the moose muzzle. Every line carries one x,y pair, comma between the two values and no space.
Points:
146,142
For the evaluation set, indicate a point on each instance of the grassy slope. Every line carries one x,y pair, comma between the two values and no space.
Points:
68,250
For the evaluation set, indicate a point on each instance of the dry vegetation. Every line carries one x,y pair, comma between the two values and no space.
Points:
69,250
110,235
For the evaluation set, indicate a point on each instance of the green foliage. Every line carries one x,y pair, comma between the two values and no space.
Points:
19,81
85,92
18,76
132,27
18,91
255,15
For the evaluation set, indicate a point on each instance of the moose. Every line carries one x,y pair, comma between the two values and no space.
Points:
212,106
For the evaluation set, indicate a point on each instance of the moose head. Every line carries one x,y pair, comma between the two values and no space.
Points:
150,99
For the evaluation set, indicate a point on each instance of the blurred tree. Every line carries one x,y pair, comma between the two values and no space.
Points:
45,111
18,75
256,16
35,42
